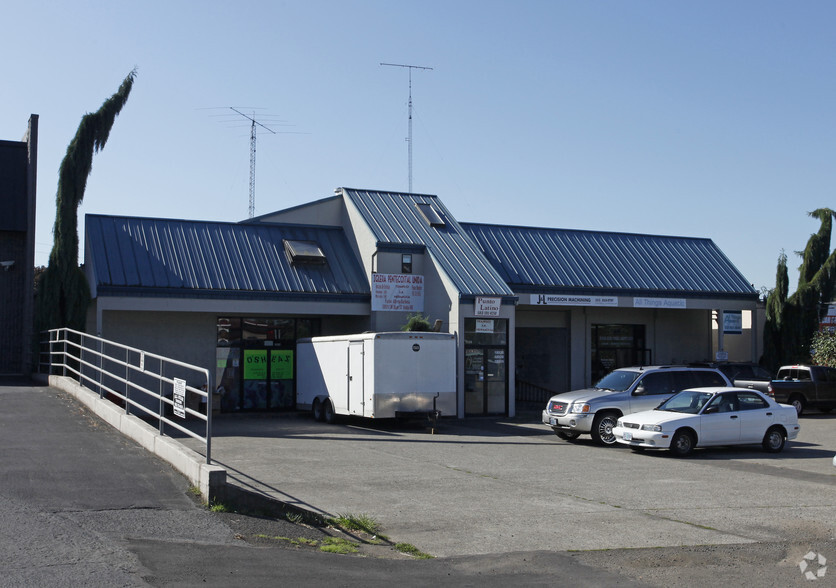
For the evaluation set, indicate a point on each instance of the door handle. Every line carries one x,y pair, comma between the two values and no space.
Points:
734,416
769,414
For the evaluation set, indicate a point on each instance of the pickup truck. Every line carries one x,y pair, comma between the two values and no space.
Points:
805,386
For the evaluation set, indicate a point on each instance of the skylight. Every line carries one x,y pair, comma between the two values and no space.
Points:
304,252
430,214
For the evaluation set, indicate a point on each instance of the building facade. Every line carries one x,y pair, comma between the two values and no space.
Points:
534,311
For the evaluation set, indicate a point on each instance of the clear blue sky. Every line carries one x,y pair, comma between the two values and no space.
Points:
707,119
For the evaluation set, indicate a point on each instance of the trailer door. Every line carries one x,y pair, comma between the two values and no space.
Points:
355,379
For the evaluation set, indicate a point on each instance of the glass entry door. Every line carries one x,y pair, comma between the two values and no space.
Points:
486,381
268,379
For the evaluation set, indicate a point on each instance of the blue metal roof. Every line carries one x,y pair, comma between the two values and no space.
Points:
147,256
396,222
560,260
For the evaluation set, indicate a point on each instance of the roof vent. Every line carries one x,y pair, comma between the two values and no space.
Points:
430,214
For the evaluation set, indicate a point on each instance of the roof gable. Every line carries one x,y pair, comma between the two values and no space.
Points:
397,221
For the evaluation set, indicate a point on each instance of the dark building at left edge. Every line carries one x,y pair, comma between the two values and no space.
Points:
18,173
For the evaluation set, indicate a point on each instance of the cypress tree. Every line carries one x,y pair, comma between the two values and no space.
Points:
792,322
63,293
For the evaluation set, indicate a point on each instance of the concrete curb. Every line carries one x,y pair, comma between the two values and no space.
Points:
210,479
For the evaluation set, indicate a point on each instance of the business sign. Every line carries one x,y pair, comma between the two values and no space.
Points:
732,322
179,398
487,306
572,300
643,302
398,292
484,326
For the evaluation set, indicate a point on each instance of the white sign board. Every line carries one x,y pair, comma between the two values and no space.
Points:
658,302
484,326
732,322
179,398
572,300
398,292
487,306
722,356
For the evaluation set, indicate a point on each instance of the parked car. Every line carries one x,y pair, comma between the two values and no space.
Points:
805,386
595,410
710,416
746,375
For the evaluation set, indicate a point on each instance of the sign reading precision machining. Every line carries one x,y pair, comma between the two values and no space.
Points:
487,306
659,303
571,300
401,292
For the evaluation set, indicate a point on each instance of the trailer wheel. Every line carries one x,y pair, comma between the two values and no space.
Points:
317,411
328,414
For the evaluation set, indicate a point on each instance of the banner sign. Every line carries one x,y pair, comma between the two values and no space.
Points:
573,300
398,292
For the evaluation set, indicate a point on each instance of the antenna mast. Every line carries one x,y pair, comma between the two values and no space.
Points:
409,139
253,125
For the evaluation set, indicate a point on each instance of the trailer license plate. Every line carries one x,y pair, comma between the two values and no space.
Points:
628,436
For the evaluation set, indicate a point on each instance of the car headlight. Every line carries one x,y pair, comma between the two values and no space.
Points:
578,408
619,423
655,428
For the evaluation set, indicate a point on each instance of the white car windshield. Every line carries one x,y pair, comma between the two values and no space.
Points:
617,381
689,401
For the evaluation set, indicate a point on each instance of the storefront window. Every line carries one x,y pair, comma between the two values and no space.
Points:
256,361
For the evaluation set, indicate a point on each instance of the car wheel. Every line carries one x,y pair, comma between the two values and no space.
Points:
567,436
316,409
682,443
799,404
774,440
328,414
602,428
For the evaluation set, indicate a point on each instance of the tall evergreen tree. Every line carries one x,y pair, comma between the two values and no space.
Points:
775,303
63,293
792,322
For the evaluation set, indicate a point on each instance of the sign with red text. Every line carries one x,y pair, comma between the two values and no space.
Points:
398,292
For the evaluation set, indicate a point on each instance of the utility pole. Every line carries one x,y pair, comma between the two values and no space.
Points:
409,138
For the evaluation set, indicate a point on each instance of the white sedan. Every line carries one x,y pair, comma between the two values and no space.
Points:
702,417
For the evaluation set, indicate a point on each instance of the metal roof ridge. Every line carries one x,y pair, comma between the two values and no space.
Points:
465,224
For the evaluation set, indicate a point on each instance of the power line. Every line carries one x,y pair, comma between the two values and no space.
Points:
409,138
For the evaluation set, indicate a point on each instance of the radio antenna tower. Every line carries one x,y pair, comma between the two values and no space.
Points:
409,138
253,124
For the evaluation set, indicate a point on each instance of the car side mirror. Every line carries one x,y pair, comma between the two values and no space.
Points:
711,410
639,391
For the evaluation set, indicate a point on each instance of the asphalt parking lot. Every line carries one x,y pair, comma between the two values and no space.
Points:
482,486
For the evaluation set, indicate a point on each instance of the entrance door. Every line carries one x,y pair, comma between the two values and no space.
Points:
268,379
357,404
486,381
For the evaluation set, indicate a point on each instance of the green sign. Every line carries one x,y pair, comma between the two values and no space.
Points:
256,367
255,364
281,367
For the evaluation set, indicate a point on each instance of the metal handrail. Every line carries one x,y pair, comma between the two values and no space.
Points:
93,361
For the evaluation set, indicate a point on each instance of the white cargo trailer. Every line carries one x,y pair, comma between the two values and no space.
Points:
377,375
